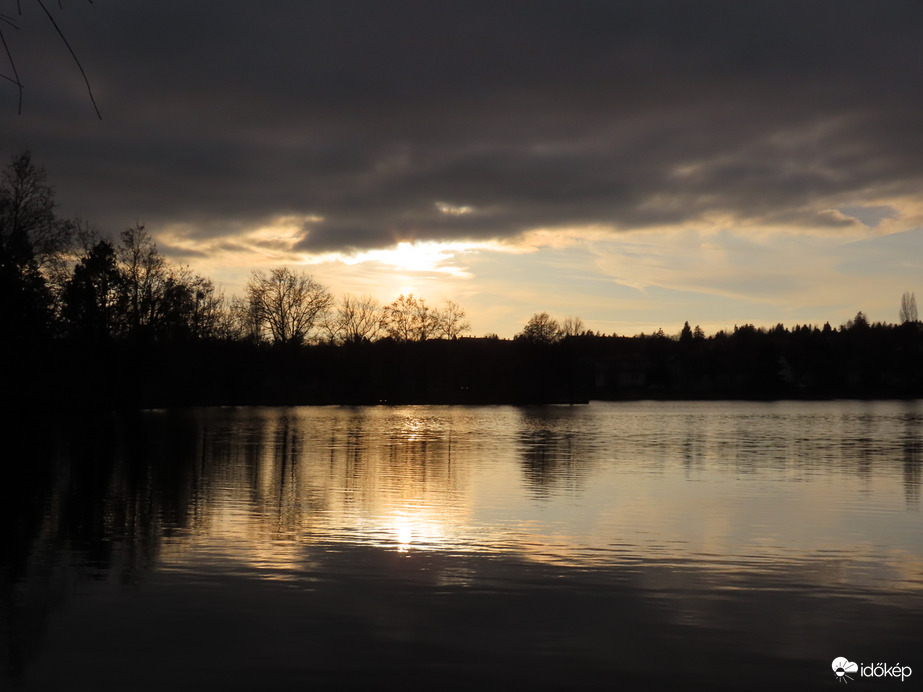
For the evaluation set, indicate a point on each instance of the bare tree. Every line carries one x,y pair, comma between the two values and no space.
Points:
30,226
287,304
397,319
424,320
209,311
239,322
908,308
451,320
357,319
144,274
572,326
408,319
31,238
28,208
191,307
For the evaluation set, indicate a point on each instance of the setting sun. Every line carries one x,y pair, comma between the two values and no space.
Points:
437,257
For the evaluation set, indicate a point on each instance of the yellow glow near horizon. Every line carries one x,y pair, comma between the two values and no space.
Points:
715,271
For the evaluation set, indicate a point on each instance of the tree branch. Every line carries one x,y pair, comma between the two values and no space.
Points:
15,79
73,55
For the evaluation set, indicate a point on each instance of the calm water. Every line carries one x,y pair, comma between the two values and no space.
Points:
629,545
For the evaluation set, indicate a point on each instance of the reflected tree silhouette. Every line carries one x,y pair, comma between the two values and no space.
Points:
94,499
550,452
912,443
313,524
693,444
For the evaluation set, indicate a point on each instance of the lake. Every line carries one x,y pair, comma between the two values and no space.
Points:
639,545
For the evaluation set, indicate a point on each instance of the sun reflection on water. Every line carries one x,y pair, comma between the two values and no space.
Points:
543,485
737,527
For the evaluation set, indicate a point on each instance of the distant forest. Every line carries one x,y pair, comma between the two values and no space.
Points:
91,321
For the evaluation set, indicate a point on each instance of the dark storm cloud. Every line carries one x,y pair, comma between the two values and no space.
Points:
535,114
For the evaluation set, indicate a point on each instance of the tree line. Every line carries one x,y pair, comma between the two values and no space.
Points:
89,319
62,278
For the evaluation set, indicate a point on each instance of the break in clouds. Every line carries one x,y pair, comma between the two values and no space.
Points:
415,120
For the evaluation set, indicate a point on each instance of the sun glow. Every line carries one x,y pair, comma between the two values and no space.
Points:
417,257
424,257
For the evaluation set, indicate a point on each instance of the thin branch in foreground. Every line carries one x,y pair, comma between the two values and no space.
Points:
73,55
15,78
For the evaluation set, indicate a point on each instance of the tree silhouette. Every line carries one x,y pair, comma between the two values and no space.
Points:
25,302
28,209
356,319
451,320
541,329
858,323
408,319
162,301
572,326
91,295
144,276
908,311
287,304
190,306
31,235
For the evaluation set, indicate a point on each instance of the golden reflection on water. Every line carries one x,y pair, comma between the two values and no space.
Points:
604,485
224,543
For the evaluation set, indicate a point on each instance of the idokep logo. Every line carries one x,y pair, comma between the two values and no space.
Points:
842,667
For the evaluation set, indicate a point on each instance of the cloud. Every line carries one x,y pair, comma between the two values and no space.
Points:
392,120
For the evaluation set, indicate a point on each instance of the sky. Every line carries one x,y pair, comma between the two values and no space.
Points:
637,164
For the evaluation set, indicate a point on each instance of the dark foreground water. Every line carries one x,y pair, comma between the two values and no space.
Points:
610,546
